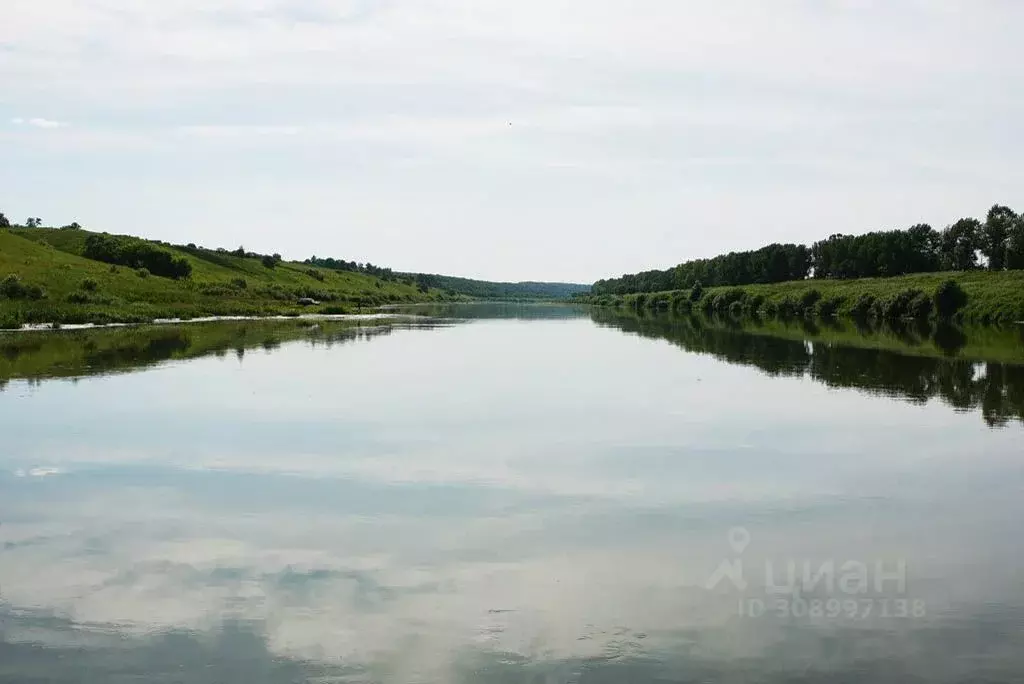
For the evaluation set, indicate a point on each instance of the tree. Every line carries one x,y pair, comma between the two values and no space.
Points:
4,223
960,245
995,233
696,292
33,222
1015,244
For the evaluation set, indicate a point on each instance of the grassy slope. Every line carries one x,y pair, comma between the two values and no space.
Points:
992,296
51,258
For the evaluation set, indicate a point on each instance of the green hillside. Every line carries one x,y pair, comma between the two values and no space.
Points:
54,282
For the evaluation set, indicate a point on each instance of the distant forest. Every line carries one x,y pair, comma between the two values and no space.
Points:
482,289
996,244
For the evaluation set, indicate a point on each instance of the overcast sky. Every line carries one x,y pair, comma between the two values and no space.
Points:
525,139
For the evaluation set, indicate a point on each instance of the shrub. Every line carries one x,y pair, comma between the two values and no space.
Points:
724,300
658,301
89,285
897,306
12,287
79,298
863,307
113,268
34,292
827,308
142,272
10,321
313,273
809,299
696,292
788,307
269,262
215,289
949,298
240,283
736,309
920,307
135,252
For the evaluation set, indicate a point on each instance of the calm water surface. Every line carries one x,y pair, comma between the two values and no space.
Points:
511,494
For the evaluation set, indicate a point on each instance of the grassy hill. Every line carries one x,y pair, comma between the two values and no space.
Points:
78,289
992,296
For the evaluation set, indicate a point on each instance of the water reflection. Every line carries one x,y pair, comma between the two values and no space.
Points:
40,355
515,499
916,363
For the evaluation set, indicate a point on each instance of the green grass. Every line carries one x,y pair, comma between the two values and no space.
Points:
52,259
992,297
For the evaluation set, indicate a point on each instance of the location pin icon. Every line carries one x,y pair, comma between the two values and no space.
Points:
739,539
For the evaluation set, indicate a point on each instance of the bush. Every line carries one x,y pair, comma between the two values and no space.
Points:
269,262
788,307
827,308
10,321
89,285
215,290
79,298
34,292
736,309
949,298
920,307
240,283
753,304
658,301
898,306
722,301
696,292
313,273
13,288
142,272
135,252
809,299
863,307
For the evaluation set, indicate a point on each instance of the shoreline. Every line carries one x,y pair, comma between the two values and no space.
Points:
62,327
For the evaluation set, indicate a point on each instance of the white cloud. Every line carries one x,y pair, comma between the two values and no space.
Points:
38,122
698,123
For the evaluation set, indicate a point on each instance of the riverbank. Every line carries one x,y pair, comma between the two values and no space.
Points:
45,279
989,297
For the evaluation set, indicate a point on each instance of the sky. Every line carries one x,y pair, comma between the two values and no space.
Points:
528,140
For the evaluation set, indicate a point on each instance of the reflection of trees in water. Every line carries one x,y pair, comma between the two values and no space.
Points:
993,388
41,355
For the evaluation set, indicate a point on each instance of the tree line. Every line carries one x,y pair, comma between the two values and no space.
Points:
996,244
